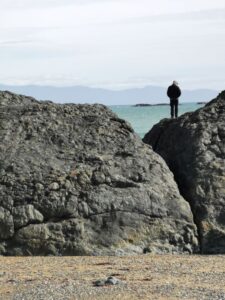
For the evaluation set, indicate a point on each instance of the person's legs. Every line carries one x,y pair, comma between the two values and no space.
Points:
176,107
171,108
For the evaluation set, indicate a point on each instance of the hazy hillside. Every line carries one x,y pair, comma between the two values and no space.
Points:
82,94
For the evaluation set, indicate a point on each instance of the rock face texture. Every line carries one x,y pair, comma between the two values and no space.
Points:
194,148
76,180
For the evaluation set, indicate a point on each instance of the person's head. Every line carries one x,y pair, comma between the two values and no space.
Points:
175,82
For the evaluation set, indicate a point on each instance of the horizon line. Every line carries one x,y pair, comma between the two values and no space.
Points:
100,88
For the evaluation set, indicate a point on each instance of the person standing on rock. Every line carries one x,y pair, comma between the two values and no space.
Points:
174,93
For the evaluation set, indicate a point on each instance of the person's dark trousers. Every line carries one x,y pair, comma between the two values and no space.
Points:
173,107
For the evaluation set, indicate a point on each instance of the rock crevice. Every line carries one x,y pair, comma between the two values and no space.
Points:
193,148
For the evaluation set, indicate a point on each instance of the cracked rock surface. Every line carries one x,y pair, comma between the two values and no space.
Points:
76,180
194,148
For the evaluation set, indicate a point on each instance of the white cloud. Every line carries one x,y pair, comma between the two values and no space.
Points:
112,42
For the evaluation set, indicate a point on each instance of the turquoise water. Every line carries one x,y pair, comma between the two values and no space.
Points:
143,118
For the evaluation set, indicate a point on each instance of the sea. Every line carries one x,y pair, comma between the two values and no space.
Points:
142,118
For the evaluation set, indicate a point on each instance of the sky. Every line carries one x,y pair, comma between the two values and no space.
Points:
114,44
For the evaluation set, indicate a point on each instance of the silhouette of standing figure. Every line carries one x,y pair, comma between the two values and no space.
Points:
174,93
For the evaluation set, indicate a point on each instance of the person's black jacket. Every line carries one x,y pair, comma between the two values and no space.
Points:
173,91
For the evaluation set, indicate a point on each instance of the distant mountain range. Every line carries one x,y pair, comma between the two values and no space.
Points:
82,94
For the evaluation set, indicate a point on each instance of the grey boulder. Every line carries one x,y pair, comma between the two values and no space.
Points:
76,180
194,148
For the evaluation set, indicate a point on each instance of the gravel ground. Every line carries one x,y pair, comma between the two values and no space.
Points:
141,277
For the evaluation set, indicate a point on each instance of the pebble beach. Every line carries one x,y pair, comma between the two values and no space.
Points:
140,277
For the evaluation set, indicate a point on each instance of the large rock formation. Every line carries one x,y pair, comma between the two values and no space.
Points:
194,148
76,179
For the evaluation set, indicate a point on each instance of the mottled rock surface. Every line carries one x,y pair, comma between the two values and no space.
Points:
194,148
76,180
